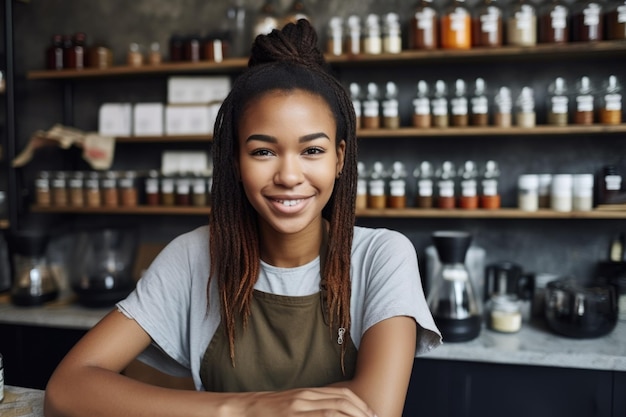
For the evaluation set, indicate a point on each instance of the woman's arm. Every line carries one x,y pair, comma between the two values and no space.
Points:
384,365
88,383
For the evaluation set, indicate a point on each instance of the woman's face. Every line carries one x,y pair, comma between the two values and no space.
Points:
289,159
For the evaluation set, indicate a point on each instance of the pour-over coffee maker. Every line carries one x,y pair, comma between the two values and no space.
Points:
453,301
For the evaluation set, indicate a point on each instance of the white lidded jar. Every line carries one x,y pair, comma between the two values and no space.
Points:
561,192
528,192
582,192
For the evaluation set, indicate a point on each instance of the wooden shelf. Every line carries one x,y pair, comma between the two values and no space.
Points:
154,139
608,48
504,213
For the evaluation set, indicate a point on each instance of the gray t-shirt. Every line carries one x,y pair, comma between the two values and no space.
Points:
170,301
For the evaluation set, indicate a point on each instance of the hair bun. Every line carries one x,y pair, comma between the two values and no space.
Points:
296,42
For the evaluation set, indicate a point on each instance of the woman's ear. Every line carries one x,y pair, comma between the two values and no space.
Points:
341,157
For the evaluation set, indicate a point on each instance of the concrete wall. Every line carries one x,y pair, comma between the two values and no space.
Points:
568,247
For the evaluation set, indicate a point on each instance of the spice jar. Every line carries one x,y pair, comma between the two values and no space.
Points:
42,189
154,57
334,43
503,103
458,104
584,102
561,192
110,194
129,193
198,191
480,104
372,36
487,24
76,184
59,189
100,56
182,193
553,22
456,26
191,48
152,188
424,174
54,53
361,187
468,174
371,111
505,314
445,186
440,105
587,21
424,26
421,106
397,186
391,116
74,53
176,48
353,38
167,190
134,58
582,192
392,36
522,24
490,197
525,108
355,93
376,198
528,192
616,21
610,184
93,197
545,184
558,103
611,102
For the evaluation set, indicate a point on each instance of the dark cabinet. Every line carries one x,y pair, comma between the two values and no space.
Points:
441,388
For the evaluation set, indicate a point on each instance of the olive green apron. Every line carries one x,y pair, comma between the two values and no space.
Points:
286,344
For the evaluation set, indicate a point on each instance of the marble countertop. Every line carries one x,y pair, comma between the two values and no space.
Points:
22,402
533,345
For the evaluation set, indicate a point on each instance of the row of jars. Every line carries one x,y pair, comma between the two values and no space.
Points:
438,107
120,189
444,187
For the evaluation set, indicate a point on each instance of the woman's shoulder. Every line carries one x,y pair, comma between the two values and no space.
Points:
379,238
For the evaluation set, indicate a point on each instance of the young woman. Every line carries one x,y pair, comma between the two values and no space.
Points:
280,306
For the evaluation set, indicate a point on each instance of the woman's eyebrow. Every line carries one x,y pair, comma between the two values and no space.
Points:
272,139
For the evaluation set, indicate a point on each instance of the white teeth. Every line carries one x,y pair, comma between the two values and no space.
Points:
289,203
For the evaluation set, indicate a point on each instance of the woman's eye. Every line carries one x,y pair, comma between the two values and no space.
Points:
261,152
314,151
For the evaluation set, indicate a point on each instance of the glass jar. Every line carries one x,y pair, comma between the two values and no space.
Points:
110,194
504,314
421,106
167,190
424,174
554,22
371,108
456,26
76,189
490,196
582,191
616,20
353,35
528,192
93,195
129,192
587,21
503,108
611,102
372,35
54,53
439,105
334,42
545,184
468,174
376,198
183,191
74,51
561,192
355,97
152,188
392,34
176,48
479,104
59,189
361,187
522,24
391,115
134,58
585,110
154,56
192,48
397,186
198,191
487,24
446,177
43,195
525,115
424,26
458,105
558,102
610,184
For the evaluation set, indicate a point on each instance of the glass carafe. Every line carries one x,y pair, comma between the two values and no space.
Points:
452,300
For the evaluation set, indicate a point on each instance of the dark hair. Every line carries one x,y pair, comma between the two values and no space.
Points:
284,60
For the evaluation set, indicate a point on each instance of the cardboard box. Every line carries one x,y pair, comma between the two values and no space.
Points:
197,90
189,120
148,119
115,119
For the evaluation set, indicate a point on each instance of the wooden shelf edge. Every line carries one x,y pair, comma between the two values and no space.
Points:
165,138
407,56
504,213
491,131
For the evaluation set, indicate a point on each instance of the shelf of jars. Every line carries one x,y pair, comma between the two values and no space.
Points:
406,132
503,213
554,51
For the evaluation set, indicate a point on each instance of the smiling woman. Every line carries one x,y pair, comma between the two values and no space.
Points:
280,306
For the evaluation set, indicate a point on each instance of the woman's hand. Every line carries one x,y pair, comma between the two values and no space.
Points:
325,401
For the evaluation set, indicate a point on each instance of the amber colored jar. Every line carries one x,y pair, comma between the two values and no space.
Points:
424,26
76,184
554,22
611,102
191,49
424,194
60,193
445,186
215,49
456,26
154,56
151,187
487,25
167,191
371,108
361,194
489,195
376,198
584,101
134,58
54,53
129,191
93,195
99,57
110,192
176,48
587,21
615,19
43,195
75,53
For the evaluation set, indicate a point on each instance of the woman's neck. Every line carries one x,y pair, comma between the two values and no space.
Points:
289,251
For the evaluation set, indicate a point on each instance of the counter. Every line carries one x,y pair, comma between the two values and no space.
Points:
533,345
22,402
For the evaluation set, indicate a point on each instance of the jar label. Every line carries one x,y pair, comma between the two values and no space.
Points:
425,188
489,23
591,15
584,103
559,104
621,14
613,182
440,107
559,17
357,107
446,188
425,19
459,106
390,108
458,20
613,101
370,108
480,105
422,105
377,187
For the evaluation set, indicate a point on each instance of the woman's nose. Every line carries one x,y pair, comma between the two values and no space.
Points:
289,172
